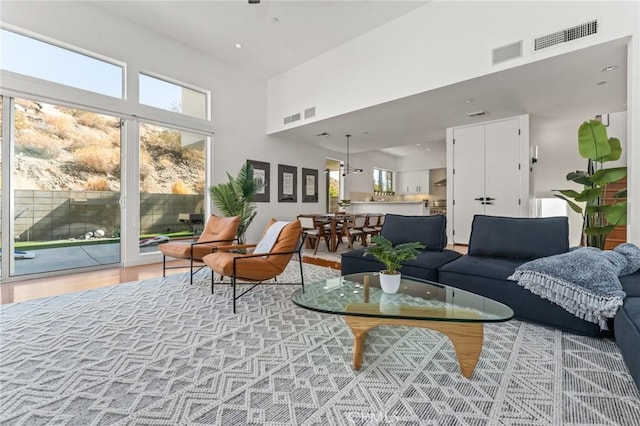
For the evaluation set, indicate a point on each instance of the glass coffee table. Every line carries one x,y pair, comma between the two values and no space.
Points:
458,314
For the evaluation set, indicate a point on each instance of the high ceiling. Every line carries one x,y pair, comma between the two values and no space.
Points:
275,35
556,89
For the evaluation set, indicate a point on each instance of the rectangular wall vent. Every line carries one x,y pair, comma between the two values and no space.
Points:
310,112
567,35
504,53
292,118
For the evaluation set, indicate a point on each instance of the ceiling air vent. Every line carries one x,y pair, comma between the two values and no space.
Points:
477,113
504,53
292,118
310,112
564,36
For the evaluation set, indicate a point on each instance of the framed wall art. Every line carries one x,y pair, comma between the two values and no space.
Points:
287,184
309,185
262,170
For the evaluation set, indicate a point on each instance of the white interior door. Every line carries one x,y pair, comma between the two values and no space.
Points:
468,179
502,168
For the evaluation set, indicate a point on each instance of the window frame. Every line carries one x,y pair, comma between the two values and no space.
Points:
157,76
377,179
74,49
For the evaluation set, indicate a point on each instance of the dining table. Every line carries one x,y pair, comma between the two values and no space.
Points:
335,231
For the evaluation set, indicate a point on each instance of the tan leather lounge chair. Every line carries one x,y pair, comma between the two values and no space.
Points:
262,263
217,232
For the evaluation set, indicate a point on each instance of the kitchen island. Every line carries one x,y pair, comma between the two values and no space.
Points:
406,208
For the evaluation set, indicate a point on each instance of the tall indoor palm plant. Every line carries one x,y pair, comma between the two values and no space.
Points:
599,218
235,197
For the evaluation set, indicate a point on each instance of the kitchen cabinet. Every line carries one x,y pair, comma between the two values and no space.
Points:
413,182
489,173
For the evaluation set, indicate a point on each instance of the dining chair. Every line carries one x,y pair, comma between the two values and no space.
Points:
378,227
354,229
313,231
371,228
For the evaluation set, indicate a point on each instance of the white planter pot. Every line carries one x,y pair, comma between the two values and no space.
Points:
389,283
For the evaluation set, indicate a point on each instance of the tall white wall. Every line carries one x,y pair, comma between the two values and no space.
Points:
439,44
425,160
238,99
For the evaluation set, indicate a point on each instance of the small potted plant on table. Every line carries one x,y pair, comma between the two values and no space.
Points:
391,257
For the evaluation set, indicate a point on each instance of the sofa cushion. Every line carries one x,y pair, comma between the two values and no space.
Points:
498,268
518,238
428,230
631,284
425,266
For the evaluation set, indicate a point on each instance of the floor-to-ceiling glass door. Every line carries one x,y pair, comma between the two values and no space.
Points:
172,185
65,188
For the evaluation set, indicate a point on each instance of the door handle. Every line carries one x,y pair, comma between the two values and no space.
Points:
487,203
479,199
489,199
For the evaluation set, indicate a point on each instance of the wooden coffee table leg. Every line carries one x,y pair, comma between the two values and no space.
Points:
359,336
466,337
467,341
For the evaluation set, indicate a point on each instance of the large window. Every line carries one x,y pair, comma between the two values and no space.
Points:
66,172
172,184
382,180
35,58
172,97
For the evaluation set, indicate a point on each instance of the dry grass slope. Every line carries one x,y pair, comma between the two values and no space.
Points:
63,148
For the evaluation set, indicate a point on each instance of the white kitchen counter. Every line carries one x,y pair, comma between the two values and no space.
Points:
409,208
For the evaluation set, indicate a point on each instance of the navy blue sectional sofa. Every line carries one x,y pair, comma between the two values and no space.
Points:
626,325
498,245
428,230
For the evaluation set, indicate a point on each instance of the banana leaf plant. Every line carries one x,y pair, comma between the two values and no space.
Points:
599,219
235,198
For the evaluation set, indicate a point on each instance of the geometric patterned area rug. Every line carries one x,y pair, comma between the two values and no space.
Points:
164,352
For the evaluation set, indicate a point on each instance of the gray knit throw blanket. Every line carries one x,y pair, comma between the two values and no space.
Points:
584,281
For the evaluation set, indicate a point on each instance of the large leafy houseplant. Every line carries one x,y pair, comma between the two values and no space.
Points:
599,219
392,256
235,197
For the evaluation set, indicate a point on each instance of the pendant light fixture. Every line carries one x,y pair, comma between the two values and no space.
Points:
346,168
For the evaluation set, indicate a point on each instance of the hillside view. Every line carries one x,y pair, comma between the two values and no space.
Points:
59,148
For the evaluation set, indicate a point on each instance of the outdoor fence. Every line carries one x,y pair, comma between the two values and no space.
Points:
58,215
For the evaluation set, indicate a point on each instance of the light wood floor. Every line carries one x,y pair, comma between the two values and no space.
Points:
19,291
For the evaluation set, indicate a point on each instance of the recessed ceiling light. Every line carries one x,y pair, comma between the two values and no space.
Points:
609,68
275,20
428,149
238,46
468,101
600,83
417,144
